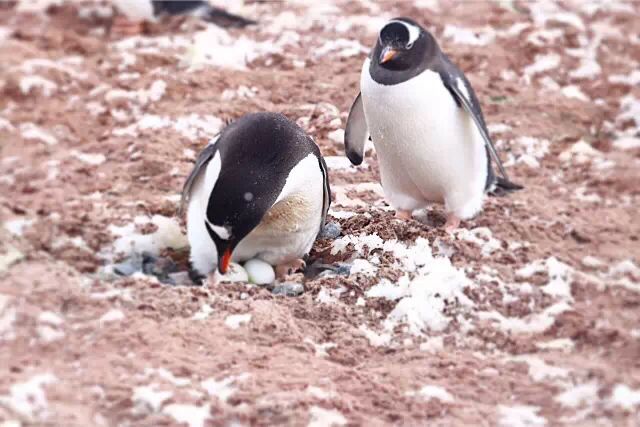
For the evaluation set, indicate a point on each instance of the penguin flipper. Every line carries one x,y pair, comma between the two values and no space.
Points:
225,19
356,132
462,92
201,162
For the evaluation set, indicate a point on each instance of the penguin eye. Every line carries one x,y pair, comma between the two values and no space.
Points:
409,45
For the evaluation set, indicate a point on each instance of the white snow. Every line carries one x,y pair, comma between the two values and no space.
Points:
51,318
235,320
533,149
625,397
578,395
321,417
573,91
203,313
473,37
364,267
112,315
192,126
632,79
28,399
541,63
520,416
90,159
336,136
63,65
168,376
341,163
17,226
375,339
627,143
191,415
340,48
563,344
49,334
539,370
46,86
147,398
31,131
320,349
482,237
579,153
433,392
533,323
222,389
167,235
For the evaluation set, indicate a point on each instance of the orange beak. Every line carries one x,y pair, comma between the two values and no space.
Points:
387,55
224,261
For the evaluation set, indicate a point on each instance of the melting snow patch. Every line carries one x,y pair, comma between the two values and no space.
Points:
468,36
235,320
625,397
562,344
28,399
342,48
534,323
573,91
627,143
28,83
633,79
433,392
31,131
17,226
204,312
321,349
222,389
375,339
362,266
582,394
534,150
520,416
541,64
167,235
192,126
147,399
539,370
191,415
630,110
482,237
112,315
90,159
321,417
168,376
579,153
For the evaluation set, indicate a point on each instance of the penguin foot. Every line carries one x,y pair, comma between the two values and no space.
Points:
124,27
290,267
452,223
400,214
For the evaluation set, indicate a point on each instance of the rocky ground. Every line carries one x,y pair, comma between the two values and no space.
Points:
528,316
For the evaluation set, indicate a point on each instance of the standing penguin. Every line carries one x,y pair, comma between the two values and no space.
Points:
426,125
261,190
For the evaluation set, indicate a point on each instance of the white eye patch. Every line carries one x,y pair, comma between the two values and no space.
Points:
414,32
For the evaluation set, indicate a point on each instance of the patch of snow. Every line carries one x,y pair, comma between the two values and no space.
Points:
17,226
192,126
631,79
90,159
362,266
336,136
168,376
627,143
321,417
579,153
31,131
28,399
539,370
482,237
375,339
563,344
630,110
433,345
495,128
541,63
321,349
235,320
222,389
533,149
191,415
520,416
573,91
46,86
147,399
534,323
203,313
167,235
49,334
342,214
51,318
580,194
433,392
477,37
341,163
63,65
113,315
340,48
625,397
578,395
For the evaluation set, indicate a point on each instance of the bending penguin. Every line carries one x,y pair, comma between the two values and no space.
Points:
261,190
426,125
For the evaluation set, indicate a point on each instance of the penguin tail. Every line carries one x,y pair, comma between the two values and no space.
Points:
221,17
503,186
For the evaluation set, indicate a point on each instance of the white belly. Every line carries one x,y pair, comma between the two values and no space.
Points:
429,149
286,232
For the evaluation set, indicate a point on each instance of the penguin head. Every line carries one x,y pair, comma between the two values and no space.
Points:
403,44
231,217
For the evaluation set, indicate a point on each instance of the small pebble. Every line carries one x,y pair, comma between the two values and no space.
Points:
288,289
131,265
331,230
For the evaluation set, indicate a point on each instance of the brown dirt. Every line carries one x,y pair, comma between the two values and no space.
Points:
277,370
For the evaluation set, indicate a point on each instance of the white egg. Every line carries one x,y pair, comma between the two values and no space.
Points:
260,272
236,273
